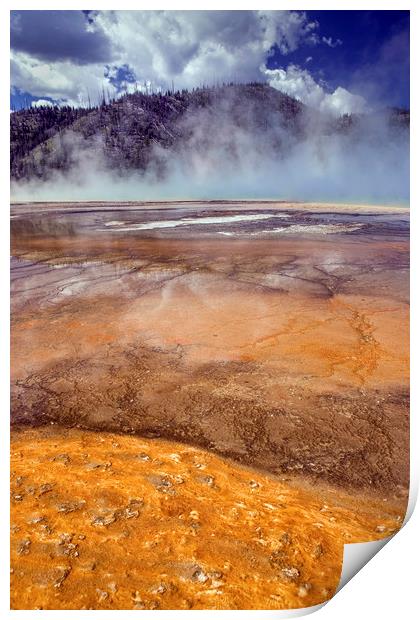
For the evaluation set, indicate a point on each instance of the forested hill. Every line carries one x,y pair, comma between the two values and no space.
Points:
131,133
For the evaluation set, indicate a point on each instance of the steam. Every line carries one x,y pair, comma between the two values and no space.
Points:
231,153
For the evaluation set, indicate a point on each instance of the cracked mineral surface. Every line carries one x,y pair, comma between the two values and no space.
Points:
208,400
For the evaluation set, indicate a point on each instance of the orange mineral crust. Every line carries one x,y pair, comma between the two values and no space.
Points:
106,521
208,400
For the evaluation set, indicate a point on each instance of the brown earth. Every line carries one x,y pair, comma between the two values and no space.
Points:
289,356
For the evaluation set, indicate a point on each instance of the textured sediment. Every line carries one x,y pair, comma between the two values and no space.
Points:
281,344
103,521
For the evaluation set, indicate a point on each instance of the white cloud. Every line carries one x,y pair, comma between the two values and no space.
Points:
60,80
300,84
41,103
197,47
188,47
342,101
331,43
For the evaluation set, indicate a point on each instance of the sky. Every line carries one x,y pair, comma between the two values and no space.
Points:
335,61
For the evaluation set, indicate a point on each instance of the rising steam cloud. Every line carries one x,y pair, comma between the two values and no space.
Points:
219,159
70,56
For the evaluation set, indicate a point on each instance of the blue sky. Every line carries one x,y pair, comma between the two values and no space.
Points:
337,61
373,58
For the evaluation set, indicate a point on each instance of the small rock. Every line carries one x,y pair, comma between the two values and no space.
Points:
102,595
291,573
65,538
130,514
61,458
94,465
318,551
45,488
143,457
199,575
18,498
104,520
137,600
70,506
71,550
253,484
23,547
36,520
304,589
195,525
46,528
65,572
132,510
163,484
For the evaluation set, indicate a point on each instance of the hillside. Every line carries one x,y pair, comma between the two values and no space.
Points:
137,131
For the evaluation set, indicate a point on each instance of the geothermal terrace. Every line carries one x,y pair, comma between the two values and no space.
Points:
217,388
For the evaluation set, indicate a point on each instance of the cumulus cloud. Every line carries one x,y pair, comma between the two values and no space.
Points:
41,103
192,47
64,81
122,78
149,49
63,54
299,83
74,56
56,36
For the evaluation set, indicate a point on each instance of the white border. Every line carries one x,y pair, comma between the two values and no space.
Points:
388,585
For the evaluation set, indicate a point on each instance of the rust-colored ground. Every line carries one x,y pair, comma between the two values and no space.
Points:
103,521
287,354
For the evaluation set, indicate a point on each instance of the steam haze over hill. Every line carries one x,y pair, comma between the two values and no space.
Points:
246,141
293,110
